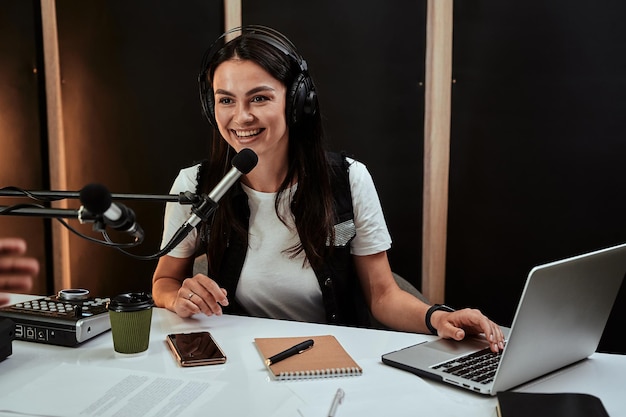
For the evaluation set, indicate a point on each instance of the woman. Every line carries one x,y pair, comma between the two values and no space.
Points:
302,236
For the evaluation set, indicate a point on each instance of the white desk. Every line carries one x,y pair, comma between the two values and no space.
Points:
242,386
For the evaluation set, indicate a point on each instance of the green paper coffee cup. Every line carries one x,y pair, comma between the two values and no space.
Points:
131,317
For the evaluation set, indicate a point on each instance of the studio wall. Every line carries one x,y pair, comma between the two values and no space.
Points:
131,120
23,155
537,146
131,114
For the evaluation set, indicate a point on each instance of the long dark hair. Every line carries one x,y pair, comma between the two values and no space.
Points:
312,202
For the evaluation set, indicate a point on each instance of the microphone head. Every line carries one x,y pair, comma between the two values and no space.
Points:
245,160
96,198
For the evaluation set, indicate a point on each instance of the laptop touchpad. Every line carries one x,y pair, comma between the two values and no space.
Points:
467,345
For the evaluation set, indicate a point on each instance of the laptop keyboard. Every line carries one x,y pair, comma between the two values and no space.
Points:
478,366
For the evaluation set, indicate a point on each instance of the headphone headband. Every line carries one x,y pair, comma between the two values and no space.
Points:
301,95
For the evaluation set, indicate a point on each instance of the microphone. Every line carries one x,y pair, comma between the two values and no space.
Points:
96,199
242,164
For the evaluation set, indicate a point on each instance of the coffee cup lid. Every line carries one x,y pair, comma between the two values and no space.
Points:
131,301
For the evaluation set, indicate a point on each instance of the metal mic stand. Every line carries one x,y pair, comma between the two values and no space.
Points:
182,198
202,207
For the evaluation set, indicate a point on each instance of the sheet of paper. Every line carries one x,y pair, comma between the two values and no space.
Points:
416,396
86,391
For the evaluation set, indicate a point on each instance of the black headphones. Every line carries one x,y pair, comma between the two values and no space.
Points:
301,96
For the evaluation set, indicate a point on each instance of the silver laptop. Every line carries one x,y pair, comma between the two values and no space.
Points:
559,320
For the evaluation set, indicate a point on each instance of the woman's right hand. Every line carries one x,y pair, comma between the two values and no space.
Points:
200,294
173,289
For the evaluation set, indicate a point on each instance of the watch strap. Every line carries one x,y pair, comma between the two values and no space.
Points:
429,313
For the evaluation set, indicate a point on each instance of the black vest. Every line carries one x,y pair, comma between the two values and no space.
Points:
343,298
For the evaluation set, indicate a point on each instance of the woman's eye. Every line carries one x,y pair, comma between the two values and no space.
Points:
259,99
225,100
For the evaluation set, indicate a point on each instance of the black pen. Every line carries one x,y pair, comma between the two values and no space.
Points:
294,350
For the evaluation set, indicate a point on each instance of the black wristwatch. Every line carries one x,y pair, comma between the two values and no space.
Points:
430,312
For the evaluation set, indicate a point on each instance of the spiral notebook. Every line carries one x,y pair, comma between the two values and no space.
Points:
327,358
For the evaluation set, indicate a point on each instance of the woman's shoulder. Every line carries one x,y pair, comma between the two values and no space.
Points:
190,173
191,170
187,177
348,161
356,168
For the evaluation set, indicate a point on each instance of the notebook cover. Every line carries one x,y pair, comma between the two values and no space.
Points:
327,358
524,404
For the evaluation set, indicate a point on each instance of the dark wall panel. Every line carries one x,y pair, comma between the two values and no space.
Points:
367,59
23,157
131,113
537,146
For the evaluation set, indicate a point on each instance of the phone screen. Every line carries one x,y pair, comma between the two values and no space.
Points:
194,349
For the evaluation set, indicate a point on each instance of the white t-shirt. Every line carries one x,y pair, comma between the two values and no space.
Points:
271,283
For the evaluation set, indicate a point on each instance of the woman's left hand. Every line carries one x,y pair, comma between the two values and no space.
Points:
455,325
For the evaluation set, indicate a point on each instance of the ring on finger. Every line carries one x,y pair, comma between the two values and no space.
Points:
191,294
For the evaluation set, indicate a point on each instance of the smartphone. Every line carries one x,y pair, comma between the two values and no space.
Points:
195,349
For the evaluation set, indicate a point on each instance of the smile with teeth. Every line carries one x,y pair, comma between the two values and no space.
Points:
247,133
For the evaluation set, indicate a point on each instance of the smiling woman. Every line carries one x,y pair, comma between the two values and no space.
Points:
300,237
250,113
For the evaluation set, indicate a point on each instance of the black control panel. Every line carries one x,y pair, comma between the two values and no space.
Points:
67,319
7,333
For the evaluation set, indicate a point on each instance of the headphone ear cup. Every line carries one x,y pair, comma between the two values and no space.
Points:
302,100
206,99
209,105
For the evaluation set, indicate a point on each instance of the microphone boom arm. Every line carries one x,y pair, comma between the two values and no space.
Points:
31,211
98,199
54,195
